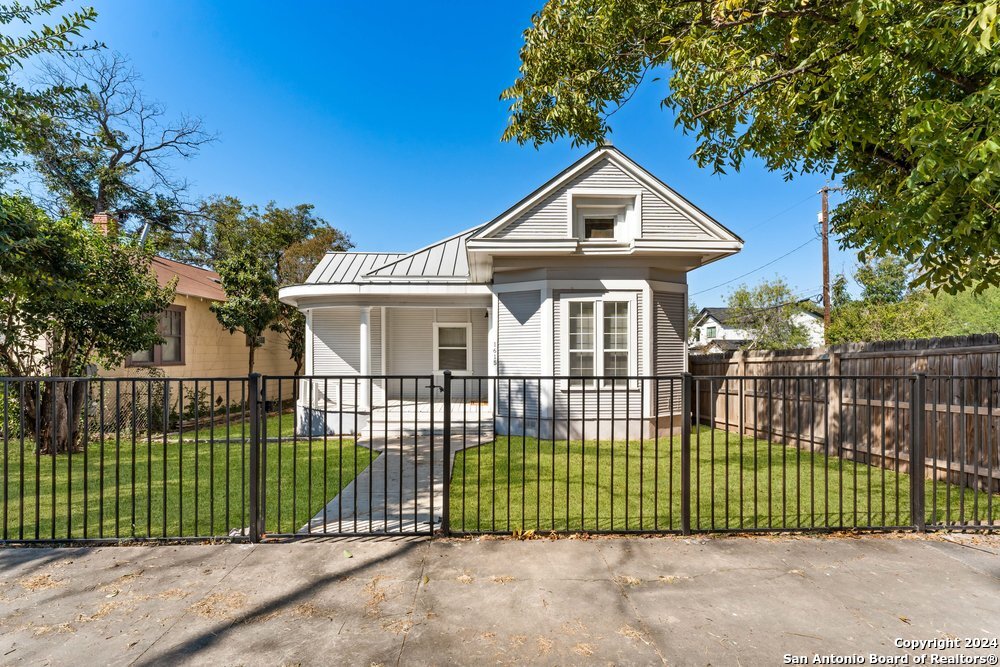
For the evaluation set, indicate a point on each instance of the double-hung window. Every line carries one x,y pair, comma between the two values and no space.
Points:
451,347
598,338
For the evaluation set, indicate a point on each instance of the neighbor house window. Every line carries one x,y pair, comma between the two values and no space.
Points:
170,352
451,347
710,332
598,340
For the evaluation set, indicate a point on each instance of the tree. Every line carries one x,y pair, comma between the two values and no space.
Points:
38,40
870,321
69,296
285,243
100,145
896,98
692,316
297,262
251,304
883,280
43,39
767,313
839,296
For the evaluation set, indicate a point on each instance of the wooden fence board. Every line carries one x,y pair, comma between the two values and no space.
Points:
857,396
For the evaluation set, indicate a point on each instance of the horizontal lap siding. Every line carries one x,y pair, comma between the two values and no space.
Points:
336,333
335,351
410,348
661,220
519,322
549,218
669,322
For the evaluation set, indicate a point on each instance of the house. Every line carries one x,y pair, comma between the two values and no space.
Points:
586,276
195,345
716,330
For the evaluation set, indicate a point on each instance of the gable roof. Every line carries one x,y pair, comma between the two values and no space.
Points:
719,314
608,152
191,280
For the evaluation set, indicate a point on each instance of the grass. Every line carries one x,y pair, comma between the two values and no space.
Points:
188,486
735,484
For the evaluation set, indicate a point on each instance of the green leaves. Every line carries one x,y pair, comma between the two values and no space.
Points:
898,98
93,298
766,312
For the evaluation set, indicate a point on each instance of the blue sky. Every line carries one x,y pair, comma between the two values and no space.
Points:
387,117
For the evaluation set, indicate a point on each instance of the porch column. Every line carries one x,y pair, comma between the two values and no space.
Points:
365,348
491,361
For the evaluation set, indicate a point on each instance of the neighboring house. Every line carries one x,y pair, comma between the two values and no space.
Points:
586,276
715,330
194,344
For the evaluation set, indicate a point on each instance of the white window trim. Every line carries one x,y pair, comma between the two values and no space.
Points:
627,230
598,300
468,346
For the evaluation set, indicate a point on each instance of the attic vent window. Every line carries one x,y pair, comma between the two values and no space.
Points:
598,228
603,218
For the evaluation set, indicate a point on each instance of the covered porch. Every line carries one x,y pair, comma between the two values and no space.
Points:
380,362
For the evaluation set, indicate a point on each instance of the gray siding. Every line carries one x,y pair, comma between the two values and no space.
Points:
579,402
669,321
519,322
548,219
336,351
410,348
662,221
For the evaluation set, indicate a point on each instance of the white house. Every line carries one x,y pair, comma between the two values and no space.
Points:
584,277
714,330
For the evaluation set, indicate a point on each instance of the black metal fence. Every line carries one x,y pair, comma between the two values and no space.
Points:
97,459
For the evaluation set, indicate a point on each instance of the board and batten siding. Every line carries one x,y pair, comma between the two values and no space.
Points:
336,350
669,323
548,218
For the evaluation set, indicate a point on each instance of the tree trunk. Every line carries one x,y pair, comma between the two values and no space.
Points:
253,349
55,421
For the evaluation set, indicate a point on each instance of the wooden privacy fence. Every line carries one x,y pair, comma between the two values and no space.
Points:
856,401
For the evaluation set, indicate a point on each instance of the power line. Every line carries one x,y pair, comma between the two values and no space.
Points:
762,266
780,213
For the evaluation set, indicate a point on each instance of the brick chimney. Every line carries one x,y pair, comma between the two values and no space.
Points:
104,223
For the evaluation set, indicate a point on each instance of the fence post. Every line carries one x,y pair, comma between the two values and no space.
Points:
686,388
253,393
446,459
917,479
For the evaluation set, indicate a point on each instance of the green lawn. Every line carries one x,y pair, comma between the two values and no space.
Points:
195,485
734,485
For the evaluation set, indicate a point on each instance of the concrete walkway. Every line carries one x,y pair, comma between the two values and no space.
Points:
401,491
722,601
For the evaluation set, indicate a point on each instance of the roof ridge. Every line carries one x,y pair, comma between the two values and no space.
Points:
425,248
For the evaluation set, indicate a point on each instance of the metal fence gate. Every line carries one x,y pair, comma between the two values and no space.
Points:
253,458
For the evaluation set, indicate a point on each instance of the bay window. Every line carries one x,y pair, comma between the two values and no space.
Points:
598,338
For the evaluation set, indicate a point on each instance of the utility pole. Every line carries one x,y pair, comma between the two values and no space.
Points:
824,220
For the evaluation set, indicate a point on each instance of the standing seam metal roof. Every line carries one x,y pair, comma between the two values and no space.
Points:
444,260
348,267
